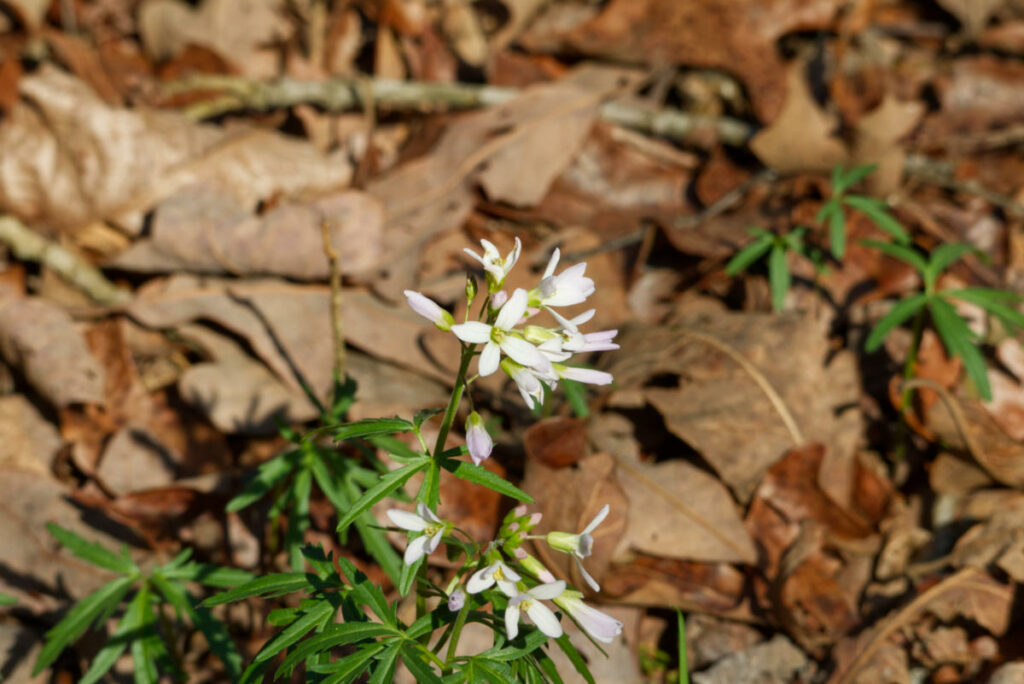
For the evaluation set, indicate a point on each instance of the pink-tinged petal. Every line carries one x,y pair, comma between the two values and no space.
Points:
489,359
601,626
407,520
544,619
478,441
415,550
586,375
601,515
586,575
480,580
456,600
552,264
512,312
548,591
522,351
473,332
498,299
512,621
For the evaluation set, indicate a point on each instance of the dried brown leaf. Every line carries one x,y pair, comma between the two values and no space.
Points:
972,14
877,141
802,137
203,230
71,159
776,661
43,342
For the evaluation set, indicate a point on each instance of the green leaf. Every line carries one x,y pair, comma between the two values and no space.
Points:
399,450
7,600
956,336
684,667
844,180
992,301
371,426
904,254
778,276
827,210
369,594
79,618
208,574
574,657
837,234
547,666
384,673
903,310
408,576
430,488
351,666
387,484
945,256
576,395
419,669
333,636
298,518
126,632
314,618
482,476
424,415
214,630
748,255
267,476
267,586
92,552
147,649
493,672
878,212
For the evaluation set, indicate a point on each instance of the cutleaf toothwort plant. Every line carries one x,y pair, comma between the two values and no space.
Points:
340,626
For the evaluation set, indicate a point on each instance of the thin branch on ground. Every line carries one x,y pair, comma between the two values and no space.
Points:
28,245
337,324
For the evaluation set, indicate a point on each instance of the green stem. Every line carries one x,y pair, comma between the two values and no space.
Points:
453,403
911,363
460,622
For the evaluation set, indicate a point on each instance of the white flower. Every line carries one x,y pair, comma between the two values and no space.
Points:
601,626
527,382
579,545
496,267
496,572
456,600
429,309
423,520
565,289
541,615
499,338
575,341
599,341
478,440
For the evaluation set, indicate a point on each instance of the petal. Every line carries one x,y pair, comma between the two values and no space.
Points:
586,575
479,443
512,621
513,256
473,254
552,264
415,550
473,332
407,520
564,322
489,359
586,375
521,351
509,573
548,591
583,317
435,541
601,626
490,251
425,513
480,580
507,588
513,310
544,619
601,515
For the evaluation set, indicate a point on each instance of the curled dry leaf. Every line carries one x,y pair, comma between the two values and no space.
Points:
202,229
802,137
42,342
556,442
734,35
712,588
71,159
972,14
242,32
970,594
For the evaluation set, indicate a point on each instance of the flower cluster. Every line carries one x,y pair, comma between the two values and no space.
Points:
533,356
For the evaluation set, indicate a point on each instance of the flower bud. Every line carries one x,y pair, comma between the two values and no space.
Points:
478,440
470,290
430,310
456,600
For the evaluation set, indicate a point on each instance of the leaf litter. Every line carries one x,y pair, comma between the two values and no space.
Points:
763,471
